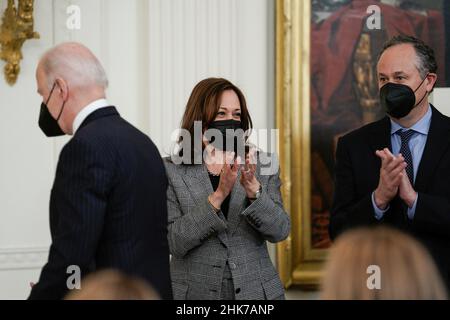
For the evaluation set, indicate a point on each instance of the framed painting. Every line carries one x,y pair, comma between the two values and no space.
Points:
327,86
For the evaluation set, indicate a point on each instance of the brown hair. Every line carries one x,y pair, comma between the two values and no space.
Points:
407,270
425,54
204,103
112,285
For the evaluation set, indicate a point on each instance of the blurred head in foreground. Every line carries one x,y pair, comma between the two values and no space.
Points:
112,285
380,264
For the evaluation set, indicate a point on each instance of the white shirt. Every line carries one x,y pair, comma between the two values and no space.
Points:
86,111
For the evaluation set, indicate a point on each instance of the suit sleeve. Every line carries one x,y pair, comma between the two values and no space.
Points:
79,199
267,215
348,209
189,229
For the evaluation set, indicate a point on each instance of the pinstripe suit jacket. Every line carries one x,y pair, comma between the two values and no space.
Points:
108,207
202,241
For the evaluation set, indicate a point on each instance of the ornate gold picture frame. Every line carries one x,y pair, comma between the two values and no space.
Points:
298,263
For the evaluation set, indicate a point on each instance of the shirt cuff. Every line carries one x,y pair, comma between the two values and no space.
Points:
412,211
379,214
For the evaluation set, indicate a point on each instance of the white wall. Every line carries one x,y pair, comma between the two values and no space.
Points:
441,100
26,170
154,52
194,39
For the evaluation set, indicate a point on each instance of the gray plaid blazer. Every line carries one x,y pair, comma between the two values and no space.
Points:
202,242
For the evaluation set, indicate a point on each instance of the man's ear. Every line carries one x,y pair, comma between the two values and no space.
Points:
62,89
432,79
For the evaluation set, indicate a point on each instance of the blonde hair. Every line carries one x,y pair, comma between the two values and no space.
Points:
407,270
112,285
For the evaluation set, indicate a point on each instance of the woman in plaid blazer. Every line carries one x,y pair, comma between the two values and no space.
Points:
224,203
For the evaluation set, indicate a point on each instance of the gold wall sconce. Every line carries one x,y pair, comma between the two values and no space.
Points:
17,26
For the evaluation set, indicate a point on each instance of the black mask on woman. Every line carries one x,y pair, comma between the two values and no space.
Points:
47,123
223,126
398,100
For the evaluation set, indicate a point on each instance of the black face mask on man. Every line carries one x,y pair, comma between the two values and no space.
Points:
232,139
398,100
47,123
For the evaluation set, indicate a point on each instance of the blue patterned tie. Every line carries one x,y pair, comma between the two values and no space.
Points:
406,136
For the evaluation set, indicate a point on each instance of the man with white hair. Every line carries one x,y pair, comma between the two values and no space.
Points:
108,203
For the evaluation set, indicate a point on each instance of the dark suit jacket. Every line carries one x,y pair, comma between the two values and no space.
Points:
108,207
357,175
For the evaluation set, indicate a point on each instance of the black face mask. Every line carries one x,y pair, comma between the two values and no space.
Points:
398,100
47,123
228,129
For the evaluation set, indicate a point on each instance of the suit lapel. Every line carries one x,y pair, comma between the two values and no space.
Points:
199,185
237,201
437,144
380,136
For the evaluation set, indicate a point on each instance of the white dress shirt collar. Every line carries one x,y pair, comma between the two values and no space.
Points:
86,111
422,126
